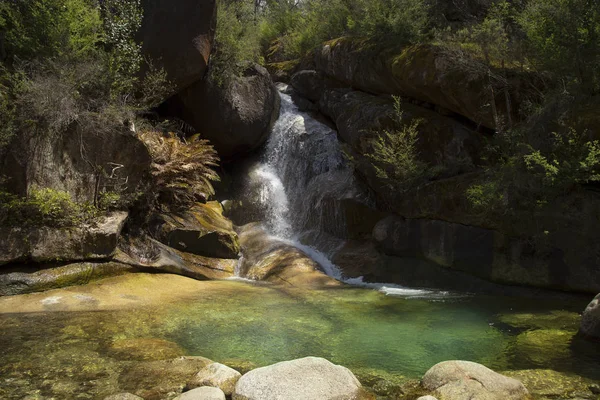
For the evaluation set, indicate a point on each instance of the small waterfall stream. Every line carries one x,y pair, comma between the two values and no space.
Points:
300,181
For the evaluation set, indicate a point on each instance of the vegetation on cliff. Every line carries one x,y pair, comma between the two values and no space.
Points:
543,147
73,68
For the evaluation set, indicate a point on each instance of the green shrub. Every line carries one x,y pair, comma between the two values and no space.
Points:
44,207
237,41
564,37
395,156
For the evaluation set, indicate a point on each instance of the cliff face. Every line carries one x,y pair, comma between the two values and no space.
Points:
351,83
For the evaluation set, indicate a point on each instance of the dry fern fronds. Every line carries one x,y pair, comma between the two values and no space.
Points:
182,172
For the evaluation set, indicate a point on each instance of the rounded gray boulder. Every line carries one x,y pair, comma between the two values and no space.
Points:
459,380
590,320
309,378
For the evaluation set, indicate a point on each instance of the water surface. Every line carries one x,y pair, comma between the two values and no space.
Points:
403,334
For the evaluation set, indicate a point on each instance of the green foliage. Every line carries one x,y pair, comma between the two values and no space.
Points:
486,197
237,43
526,178
122,19
299,27
109,201
395,156
50,28
44,207
564,36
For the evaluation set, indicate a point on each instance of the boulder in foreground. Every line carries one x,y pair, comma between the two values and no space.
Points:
217,375
590,320
459,380
309,378
203,393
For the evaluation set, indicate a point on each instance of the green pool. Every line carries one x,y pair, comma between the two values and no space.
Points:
405,333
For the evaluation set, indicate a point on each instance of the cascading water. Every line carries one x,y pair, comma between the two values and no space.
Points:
300,181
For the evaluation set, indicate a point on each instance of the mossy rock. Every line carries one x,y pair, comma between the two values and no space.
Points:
144,349
201,230
563,320
546,383
544,346
155,380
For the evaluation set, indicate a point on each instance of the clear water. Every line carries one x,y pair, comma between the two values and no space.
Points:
363,329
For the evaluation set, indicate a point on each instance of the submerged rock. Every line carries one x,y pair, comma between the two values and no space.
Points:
202,393
308,378
123,396
216,375
544,346
144,349
201,230
552,384
459,380
590,320
94,241
270,259
153,380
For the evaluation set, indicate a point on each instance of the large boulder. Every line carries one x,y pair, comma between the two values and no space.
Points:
590,320
270,259
178,36
459,380
361,118
236,116
94,241
427,73
308,378
201,230
83,165
216,375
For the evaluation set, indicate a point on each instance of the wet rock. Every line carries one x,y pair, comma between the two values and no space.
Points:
216,375
202,230
183,46
123,396
14,283
590,320
149,255
153,380
235,116
269,259
544,346
563,320
308,378
546,383
311,84
94,241
144,349
203,393
459,380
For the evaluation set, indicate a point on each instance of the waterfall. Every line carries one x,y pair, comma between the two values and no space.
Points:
299,182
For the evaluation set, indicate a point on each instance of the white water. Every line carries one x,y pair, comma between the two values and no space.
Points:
301,177
301,180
